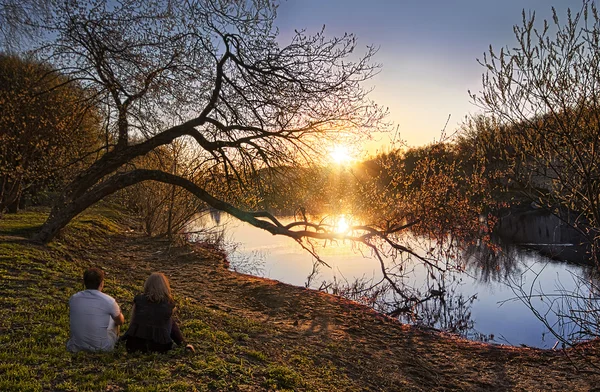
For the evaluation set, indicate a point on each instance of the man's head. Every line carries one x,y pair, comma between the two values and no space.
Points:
93,279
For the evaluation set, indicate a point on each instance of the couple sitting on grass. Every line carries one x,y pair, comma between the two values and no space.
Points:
95,317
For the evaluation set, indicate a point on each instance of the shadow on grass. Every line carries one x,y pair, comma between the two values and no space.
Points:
26,233
22,224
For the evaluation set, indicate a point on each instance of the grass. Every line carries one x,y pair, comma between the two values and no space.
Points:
36,283
25,223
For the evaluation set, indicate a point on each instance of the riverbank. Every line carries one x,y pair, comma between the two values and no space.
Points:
250,334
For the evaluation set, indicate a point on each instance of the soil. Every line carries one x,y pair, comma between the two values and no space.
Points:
375,351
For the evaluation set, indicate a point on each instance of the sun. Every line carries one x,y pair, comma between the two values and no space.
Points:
342,226
340,154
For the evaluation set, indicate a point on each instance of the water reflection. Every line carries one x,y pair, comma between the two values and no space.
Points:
497,261
545,232
451,313
562,296
477,293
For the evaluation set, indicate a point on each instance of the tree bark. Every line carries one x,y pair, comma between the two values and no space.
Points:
63,214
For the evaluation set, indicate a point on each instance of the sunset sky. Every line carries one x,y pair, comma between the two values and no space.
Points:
429,50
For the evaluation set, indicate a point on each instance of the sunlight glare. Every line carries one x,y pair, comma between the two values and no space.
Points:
342,226
340,154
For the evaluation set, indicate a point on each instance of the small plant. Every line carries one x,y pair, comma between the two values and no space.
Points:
259,355
282,377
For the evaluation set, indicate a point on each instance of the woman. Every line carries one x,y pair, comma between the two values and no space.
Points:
152,327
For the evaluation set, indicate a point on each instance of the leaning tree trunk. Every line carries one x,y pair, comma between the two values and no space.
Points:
63,213
85,190
59,218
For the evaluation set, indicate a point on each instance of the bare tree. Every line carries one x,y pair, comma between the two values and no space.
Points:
18,21
541,138
166,209
213,72
543,95
216,71
569,312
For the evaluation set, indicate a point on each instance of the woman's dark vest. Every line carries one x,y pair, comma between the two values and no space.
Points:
150,329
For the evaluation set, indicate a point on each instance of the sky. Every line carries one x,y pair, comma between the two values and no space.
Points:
428,49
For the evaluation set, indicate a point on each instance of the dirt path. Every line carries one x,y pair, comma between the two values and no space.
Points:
380,352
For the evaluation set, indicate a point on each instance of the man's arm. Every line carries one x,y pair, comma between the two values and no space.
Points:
119,320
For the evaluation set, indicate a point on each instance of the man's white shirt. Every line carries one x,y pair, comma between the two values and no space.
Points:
91,321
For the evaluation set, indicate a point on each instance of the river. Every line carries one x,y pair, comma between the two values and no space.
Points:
483,302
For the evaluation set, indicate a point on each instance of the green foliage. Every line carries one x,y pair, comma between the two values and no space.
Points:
257,355
25,223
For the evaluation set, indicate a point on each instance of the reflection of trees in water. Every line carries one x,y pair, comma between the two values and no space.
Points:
578,309
451,312
570,312
441,299
502,261
437,304
434,302
492,262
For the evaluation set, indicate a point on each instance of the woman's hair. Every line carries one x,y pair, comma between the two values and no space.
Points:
157,288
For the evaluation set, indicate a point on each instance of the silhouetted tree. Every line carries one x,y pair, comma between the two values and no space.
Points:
216,71
18,21
213,72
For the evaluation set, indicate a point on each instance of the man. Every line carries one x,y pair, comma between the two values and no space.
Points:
94,316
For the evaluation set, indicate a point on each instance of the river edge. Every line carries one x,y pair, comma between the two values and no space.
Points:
330,343
481,294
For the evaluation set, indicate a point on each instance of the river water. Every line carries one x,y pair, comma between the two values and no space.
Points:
483,302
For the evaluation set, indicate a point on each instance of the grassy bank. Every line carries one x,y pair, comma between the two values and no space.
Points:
249,333
37,282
